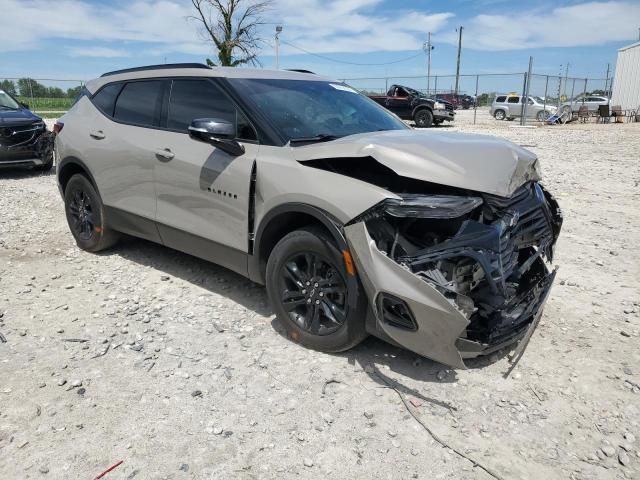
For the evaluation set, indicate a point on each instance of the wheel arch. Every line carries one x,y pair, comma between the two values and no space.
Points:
422,106
70,166
283,220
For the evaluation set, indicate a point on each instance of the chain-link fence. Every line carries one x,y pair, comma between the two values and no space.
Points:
551,93
49,98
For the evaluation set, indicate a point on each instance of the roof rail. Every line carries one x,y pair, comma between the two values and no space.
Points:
299,70
156,67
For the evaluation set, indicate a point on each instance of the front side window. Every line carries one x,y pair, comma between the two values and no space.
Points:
309,108
105,99
139,103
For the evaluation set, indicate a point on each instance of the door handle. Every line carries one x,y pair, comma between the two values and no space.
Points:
165,153
97,134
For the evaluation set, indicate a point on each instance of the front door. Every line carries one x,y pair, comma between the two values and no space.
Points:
202,191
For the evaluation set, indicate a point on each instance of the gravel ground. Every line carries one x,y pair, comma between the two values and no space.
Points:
178,368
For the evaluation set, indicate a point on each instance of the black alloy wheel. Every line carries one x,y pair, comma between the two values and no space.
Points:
85,215
318,302
313,293
81,213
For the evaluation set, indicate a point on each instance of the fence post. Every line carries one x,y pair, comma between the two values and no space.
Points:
524,92
527,83
584,91
573,88
475,101
435,87
544,106
30,93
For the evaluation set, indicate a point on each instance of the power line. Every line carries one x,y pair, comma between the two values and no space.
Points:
351,63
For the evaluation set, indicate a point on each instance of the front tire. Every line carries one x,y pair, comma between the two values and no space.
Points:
86,217
423,118
307,284
542,115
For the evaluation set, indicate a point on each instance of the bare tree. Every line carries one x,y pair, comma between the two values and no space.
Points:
232,26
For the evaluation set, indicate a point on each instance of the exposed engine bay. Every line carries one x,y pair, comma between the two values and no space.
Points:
486,254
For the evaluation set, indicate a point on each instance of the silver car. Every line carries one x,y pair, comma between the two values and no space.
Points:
356,223
508,107
592,102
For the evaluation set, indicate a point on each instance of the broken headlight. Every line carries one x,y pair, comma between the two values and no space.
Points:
430,206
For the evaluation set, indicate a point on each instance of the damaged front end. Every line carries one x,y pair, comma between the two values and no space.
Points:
457,274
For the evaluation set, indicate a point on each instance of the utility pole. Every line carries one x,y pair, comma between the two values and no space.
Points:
278,31
458,64
428,47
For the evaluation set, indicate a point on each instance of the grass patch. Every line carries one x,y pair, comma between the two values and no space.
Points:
45,103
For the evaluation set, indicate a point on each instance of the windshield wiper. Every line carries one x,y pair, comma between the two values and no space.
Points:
321,137
8,107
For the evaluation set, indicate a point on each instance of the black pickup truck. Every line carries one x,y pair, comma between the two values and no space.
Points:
410,104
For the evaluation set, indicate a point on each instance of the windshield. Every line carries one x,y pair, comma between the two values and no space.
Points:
315,109
8,103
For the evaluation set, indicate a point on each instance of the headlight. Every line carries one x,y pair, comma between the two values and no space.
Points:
38,124
430,206
439,106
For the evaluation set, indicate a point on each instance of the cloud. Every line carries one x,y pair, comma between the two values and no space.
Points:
580,25
99,52
160,27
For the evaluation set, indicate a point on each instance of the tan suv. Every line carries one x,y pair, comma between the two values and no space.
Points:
356,223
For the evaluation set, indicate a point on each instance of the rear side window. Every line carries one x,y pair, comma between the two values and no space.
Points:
191,99
105,99
139,103
513,100
501,99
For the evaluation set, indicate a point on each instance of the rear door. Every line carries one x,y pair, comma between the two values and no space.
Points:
203,192
515,107
120,139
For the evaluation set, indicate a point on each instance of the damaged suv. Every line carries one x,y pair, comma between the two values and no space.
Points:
356,223
24,138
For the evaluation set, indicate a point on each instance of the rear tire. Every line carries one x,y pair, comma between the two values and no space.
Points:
499,115
86,217
423,118
307,284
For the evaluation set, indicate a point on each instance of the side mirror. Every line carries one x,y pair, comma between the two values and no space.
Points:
219,133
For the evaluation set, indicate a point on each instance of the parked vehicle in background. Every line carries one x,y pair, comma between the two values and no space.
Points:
592,102
410,104
440,242
458,101
508,107
24,139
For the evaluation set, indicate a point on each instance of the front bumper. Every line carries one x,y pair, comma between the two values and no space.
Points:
440,327
25,148
444,114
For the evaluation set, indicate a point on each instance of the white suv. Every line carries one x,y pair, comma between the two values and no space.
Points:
508,107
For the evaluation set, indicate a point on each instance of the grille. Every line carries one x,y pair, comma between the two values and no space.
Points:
526,222
10,136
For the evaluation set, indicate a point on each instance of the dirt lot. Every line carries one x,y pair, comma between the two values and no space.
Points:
177,367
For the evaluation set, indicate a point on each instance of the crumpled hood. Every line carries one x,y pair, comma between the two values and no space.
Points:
476,162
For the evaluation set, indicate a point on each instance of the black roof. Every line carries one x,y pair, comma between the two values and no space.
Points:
156,67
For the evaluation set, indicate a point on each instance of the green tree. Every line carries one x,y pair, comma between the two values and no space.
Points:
31,88
8,86
73,92
55,92
232,27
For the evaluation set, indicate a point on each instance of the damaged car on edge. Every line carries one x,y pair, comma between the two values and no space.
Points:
441,243
24,138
